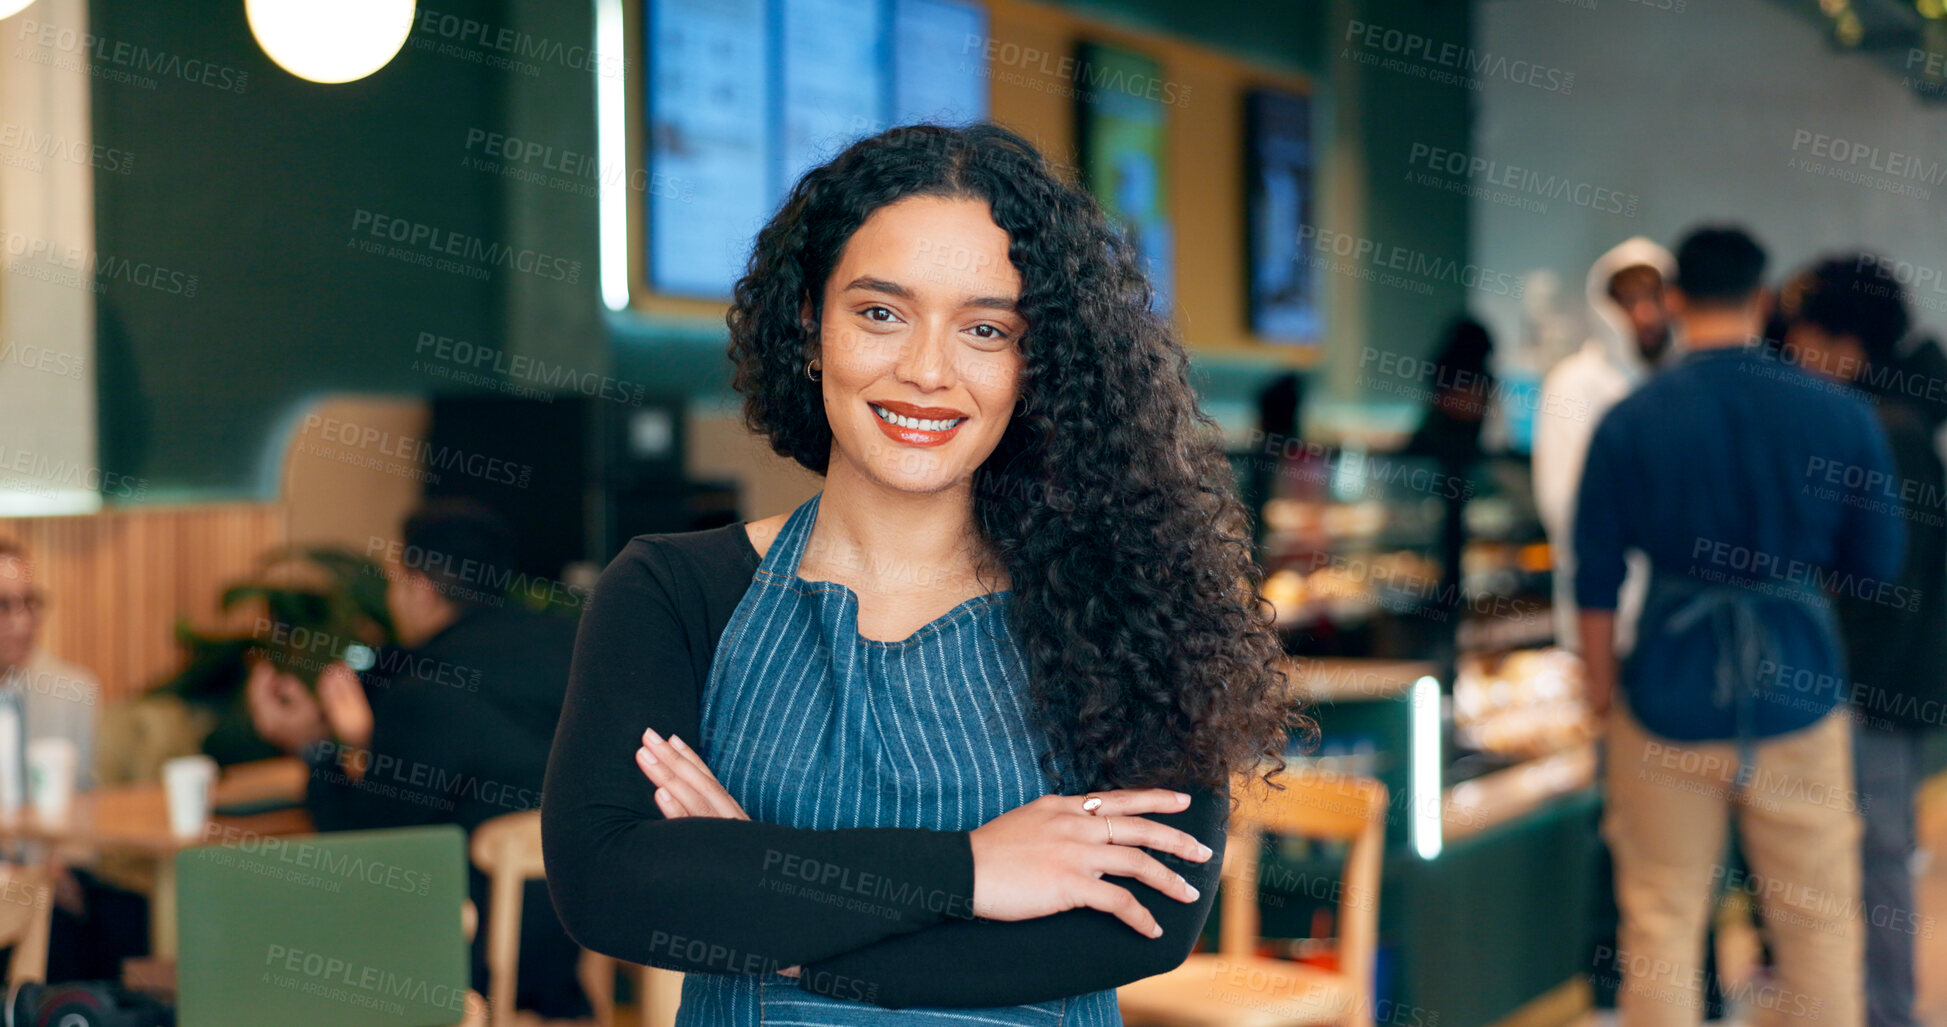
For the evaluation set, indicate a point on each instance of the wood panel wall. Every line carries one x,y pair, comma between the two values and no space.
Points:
118,580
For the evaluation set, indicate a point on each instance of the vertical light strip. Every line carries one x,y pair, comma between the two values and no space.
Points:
1426,770
612,147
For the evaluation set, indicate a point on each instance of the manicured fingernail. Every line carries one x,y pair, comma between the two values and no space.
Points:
1156,931
678,743
649,736
1203,850
645,755
1188,887
1180,797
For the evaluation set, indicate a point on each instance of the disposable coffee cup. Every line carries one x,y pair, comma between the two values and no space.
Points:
188,781
50,777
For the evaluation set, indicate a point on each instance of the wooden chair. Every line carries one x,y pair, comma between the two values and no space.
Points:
508,850
1235,987
26,918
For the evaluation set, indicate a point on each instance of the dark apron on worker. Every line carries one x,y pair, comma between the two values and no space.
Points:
1747,702
809,725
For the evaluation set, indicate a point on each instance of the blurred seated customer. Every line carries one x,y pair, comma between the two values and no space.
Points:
299,609
1844,320
452,725
95,924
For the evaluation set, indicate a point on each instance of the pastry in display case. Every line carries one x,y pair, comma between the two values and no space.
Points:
1522,704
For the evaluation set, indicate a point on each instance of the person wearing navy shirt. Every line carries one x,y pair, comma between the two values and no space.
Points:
1750,486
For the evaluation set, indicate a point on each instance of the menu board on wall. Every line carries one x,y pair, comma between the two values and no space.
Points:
709,93
834,80
939,62
1121,123
745,96
1278,161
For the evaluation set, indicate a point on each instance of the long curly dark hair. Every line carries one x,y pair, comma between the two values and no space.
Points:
1136,602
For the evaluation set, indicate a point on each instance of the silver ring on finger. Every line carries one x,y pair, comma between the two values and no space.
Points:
1109,822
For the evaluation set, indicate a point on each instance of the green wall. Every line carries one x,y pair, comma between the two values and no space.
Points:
256,193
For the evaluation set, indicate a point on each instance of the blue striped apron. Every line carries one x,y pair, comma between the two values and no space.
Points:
809,724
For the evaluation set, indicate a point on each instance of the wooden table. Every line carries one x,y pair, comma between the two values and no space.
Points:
135,819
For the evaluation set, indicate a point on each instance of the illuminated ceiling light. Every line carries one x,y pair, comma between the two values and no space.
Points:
1930,8
1849,29
336,42
9,8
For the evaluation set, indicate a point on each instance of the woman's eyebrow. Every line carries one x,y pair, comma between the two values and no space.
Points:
891,288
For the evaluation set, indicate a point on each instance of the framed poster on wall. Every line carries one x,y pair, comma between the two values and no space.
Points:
1283,300
1121,121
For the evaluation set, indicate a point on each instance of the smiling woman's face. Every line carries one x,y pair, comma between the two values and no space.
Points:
920,344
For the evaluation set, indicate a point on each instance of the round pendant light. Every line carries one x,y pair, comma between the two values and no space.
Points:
340,41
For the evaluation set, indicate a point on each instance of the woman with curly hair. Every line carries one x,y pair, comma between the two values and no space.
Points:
954,736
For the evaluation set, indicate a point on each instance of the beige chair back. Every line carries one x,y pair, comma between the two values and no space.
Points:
1313,804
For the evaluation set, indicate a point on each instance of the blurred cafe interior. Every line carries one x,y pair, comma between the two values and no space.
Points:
345,347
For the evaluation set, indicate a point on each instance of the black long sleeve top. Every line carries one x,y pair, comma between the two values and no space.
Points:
687,895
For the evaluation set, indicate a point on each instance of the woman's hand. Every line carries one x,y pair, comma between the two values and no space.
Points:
684,786
1049,856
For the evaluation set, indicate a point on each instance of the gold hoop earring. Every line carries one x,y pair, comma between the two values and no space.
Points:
811,371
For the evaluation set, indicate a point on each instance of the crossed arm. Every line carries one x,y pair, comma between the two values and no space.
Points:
678,880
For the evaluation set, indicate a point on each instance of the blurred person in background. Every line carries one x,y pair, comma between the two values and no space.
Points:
451,726
1703,470
1844,321
95,924
1450,435
1630,339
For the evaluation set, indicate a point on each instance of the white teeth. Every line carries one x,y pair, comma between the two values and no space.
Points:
913,422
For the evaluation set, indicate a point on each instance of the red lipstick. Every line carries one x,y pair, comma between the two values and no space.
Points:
913,434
